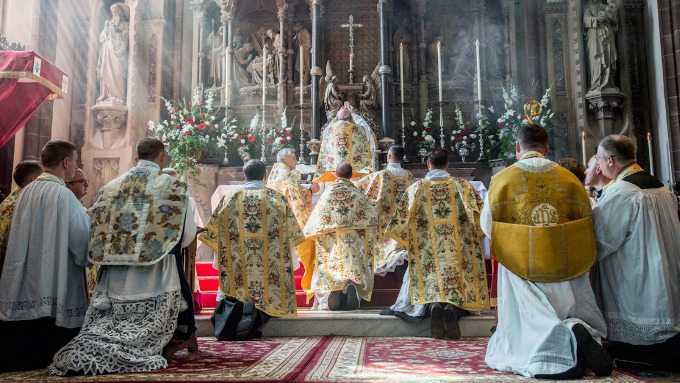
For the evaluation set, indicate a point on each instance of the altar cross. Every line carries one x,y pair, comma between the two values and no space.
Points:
351,27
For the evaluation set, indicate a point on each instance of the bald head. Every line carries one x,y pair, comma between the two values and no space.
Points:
171,172
344,170
344,114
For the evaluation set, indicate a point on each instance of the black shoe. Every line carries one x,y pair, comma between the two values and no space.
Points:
436,321
353,300
595,355
334,300
451,322
573,373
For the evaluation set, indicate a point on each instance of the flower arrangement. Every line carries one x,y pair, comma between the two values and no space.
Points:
192,130
423,135
501,126
280,139
244,137
463,137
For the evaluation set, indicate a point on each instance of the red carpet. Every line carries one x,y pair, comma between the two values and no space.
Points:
329,359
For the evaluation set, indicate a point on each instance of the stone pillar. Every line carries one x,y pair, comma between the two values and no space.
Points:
384,68
154,29
197,6
228,82
604,105
281,86
227,52
314,144
422,71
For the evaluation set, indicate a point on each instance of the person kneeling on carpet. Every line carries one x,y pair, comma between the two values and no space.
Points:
253,232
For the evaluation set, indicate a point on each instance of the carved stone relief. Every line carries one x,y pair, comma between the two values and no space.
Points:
558,55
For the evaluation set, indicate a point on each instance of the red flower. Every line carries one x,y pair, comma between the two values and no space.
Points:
177,126
270,143
427,130
420,138
202,115
251,138
201,126
283,140
214,126
501,125
189,121
240,136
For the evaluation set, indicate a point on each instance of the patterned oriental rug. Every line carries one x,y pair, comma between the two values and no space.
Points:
330,359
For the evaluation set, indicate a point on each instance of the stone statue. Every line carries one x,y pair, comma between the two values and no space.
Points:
402,35
242,59
272,41
214,52
237,39
495,51
303,38
112,63
369,100
332,97
433,63
463,58
256,72
602,24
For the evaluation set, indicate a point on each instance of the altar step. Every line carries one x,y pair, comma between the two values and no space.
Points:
363,322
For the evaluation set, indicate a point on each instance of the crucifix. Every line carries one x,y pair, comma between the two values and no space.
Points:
351,27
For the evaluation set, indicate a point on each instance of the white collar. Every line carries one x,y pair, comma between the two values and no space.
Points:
437,175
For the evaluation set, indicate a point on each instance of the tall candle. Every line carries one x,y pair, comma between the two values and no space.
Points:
264,85
479,84
302,71
651,155
439,62
401,70
583,148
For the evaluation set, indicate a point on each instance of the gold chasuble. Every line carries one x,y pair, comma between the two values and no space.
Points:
386,189
344,141
252,231
438,223
138,218
542,229
6,214
344,226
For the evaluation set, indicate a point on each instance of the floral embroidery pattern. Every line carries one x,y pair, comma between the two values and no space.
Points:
253,231
6,215
438,222
138,218
344,142
284,180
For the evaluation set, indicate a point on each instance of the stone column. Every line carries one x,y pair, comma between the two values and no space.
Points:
281,97
422,46
154,29
384,68
314,144
227,52
197,6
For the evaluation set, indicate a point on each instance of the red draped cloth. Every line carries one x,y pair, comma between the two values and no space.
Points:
26,81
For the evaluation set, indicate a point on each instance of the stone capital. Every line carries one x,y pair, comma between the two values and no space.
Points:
316,71
385,69
196,5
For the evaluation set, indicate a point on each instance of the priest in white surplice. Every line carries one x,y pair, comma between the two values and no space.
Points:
139,223
638,252
43,296
537,215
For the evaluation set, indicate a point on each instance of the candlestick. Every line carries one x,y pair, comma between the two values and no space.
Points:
583,148
479,85
302,71
264,88
351,61
439,62
651,155
441,121
401,72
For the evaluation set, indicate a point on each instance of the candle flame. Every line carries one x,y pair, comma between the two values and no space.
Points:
401,44
477,41
583,134
649,135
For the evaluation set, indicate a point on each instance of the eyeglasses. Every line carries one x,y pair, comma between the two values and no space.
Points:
85,182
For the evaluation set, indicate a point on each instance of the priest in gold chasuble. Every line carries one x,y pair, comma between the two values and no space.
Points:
538,218
386,187
253,230
344,226
284,179
349,139
437,222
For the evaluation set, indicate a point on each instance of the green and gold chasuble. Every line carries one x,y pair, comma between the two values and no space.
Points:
542,227
344,225
138,218
6,214
386,189
438,223
252,232
344,141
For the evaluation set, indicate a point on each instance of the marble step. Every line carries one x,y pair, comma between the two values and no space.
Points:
353,323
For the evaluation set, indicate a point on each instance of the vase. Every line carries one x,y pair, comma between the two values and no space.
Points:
463,152
422,152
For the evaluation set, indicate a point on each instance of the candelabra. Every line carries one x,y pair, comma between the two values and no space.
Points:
301,160
441,124
403,133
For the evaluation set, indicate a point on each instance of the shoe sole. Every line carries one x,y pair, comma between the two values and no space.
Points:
334,300
595,355
436,323
353,301
451,323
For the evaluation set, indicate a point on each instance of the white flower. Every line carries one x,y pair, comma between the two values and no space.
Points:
186,128
196,98
221,142
425,124
235,136
415,134
429,138
279,140
243,141
465,137
151,125
413,123
254,121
